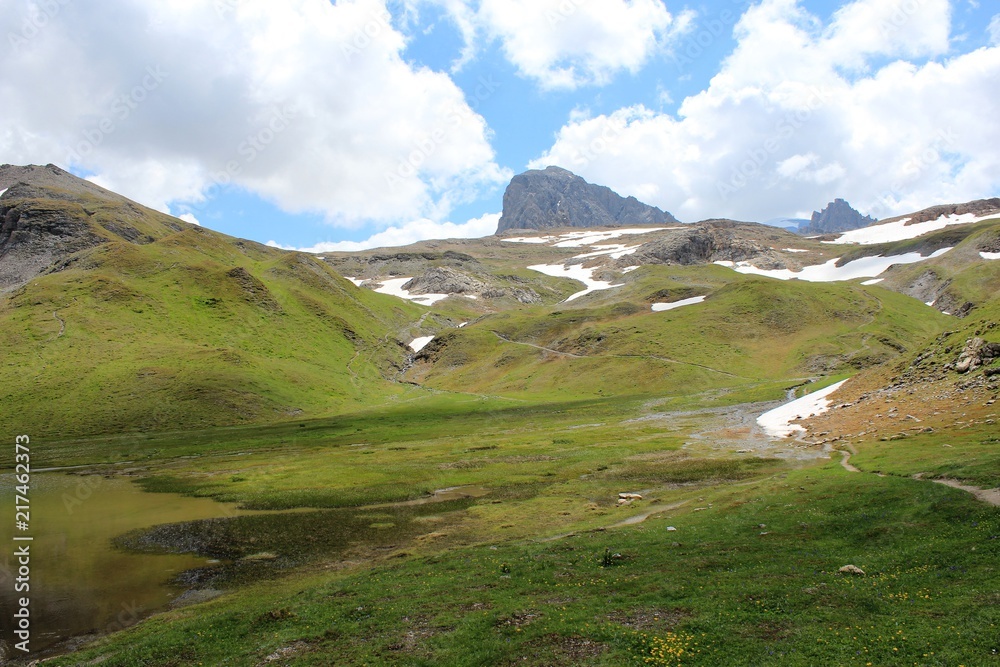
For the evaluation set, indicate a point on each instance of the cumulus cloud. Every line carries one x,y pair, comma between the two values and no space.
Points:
412,232
796,117
307,103
565,44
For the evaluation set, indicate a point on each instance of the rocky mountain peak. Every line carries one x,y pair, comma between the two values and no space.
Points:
555,197
838,216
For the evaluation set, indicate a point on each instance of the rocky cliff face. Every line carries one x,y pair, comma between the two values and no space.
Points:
838,216
554,197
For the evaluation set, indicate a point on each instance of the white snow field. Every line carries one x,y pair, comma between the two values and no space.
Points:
576,272
866,267
418,344
778,422
990,255
900,231
394,287
663,307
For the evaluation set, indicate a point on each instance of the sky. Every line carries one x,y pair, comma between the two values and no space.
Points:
353,124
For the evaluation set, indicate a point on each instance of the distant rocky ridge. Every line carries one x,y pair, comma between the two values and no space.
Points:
838,216
555,197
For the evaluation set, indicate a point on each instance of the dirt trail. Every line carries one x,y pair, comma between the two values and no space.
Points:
845,460
62,323
989,496
655,509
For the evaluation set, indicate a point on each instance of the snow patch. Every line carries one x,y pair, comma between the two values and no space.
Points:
394,287
876,281
866,267
900,231
357,281
795,250
662,307
614,251
778,422
420,343
581,239
990,255
576,272
630,269
3,191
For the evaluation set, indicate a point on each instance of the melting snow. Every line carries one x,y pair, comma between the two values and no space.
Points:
420,343
3,191
630,269
576,272
900,231
661,307
778,422
614,251
795,250
866,267
356,281
581,239
990,255
873,282
394,287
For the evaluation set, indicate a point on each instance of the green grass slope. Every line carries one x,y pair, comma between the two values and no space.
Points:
749,330
188,328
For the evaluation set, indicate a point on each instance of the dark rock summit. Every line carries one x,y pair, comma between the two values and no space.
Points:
554,197
838,216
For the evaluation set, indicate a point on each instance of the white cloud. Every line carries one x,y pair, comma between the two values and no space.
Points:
412,232
307,103
567,43
797,117
994,29
189,217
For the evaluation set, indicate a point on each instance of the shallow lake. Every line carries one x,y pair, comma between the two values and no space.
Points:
80,583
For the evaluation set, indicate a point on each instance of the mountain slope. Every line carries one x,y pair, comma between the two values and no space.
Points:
143,322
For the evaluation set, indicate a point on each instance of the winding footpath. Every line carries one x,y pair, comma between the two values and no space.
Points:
989,496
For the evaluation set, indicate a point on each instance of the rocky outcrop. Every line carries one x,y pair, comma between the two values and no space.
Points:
710,241
977,353
444,280
555,197
979,208
838,216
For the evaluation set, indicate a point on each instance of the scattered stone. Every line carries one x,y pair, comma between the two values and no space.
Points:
671,529
852,570
629,496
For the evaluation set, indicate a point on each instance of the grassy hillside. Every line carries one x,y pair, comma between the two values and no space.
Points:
748,331
182,327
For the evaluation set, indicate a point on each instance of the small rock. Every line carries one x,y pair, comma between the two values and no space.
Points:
852,569
629,496
671,529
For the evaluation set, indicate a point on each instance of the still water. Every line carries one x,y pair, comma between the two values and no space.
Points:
79,583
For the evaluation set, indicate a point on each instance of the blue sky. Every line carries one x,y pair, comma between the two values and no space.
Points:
357,123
